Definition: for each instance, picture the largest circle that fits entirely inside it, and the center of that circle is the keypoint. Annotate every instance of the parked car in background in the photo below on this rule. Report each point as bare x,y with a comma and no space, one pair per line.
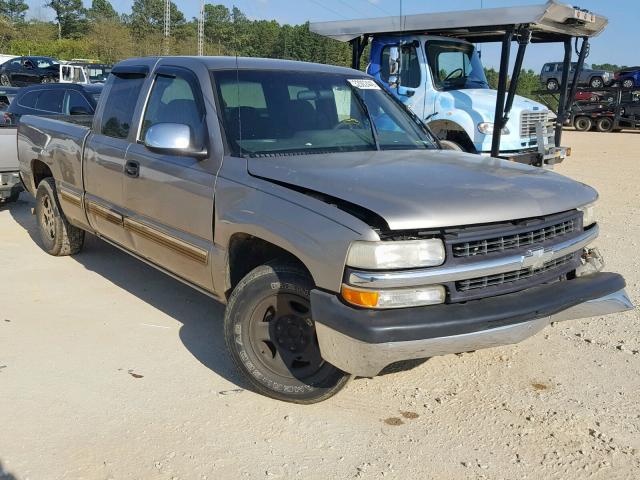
74,72
52,100
628,77
23,71
551,76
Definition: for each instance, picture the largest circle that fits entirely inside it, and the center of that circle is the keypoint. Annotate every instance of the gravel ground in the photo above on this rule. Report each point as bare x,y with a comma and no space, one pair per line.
111,370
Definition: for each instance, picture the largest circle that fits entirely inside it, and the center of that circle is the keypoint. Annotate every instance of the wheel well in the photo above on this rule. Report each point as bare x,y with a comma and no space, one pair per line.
247,252
40,171
448,130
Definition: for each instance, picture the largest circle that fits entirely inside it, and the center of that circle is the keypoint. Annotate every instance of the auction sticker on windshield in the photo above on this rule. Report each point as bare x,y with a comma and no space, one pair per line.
363,83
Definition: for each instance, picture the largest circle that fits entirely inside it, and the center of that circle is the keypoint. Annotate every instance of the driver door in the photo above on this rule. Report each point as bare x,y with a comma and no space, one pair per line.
170,196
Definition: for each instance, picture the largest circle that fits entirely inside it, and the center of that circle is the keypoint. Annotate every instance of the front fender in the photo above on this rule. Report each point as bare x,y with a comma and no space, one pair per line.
319,236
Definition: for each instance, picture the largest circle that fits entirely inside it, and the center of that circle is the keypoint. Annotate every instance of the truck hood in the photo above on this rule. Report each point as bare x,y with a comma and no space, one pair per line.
483,101
428,189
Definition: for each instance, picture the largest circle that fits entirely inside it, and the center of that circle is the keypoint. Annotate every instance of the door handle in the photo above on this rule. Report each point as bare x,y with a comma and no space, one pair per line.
132,169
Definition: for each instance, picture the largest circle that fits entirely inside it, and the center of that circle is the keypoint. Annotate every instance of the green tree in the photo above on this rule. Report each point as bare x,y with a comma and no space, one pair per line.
14,10
147,17
70,17
102,10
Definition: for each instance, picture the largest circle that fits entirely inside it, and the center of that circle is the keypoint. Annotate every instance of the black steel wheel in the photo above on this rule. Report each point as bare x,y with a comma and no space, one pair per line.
582,124
272,338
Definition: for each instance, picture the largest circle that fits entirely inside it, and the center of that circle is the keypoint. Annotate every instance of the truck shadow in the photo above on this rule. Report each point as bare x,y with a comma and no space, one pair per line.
201,316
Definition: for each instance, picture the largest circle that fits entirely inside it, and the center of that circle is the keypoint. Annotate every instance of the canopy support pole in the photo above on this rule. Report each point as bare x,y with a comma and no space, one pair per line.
502,88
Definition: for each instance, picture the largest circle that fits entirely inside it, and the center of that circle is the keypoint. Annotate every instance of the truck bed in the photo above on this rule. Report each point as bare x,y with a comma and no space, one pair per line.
56,142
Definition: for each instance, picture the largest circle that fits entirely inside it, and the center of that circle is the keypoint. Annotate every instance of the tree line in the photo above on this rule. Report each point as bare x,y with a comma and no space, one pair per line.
103,34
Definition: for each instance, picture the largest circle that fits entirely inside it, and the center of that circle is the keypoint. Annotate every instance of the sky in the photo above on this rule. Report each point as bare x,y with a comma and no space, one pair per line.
615,45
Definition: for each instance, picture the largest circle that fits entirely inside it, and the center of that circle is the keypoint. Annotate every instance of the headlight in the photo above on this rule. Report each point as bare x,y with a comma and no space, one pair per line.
588,214
392,255
487,128
394,298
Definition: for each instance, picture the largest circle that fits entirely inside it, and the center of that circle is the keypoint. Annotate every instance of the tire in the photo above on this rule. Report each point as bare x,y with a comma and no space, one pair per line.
604,124
582,124
269,301
449,145
552,84
4,80
596,82
58,236
45,80
628,83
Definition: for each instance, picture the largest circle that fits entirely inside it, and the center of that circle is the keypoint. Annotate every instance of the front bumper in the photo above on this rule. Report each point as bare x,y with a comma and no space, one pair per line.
10,185
363,342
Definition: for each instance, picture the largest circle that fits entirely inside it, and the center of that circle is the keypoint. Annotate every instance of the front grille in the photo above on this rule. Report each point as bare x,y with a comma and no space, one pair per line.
528,121
514,241
511,277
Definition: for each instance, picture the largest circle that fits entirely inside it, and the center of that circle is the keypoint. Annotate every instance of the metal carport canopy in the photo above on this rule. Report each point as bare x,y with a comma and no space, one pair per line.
550,22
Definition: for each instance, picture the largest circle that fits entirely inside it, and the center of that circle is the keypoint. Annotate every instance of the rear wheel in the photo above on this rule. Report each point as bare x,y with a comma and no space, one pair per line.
4,80
604,124
596,82
552,84
582,124
45,80
628,83
58,236
272,338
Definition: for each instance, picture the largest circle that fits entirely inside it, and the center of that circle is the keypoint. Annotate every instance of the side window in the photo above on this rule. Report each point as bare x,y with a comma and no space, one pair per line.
76,102
121,102
50,101
548,68
28,100
16,63
175,100
410,71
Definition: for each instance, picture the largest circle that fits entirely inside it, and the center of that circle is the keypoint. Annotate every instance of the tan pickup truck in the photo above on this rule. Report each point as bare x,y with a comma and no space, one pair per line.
321,211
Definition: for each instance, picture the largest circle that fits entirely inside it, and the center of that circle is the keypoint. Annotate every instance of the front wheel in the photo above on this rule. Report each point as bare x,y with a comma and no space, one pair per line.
272,338
4,80
596,82
628,83
552,84
450,145
58,236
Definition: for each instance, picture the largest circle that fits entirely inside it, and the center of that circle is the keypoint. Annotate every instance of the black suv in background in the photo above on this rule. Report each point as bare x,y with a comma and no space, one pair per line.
53,99
23,71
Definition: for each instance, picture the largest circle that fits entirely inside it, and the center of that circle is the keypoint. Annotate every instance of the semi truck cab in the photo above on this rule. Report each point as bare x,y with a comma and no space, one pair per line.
442,80
429,61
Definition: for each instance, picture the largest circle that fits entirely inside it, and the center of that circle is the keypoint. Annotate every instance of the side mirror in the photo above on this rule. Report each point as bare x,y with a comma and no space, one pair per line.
395,64
172,139
79,111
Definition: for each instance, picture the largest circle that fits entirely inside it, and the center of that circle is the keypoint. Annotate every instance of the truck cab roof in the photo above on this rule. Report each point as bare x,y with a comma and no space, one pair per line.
225,63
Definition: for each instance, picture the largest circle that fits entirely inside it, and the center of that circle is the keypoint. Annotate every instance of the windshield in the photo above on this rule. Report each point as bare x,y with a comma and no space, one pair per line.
279,112
98,73
455,65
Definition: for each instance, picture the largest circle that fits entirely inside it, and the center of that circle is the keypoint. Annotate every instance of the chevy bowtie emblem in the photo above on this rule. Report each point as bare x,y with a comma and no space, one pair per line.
535,259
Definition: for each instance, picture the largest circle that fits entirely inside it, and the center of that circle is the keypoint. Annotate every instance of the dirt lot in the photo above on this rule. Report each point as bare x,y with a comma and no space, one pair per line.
111,370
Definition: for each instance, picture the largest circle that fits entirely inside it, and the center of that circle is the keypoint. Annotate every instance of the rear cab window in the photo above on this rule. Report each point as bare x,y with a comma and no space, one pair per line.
122,92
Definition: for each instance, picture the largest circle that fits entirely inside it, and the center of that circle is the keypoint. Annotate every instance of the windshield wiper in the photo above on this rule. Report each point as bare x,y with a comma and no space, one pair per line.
362,103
